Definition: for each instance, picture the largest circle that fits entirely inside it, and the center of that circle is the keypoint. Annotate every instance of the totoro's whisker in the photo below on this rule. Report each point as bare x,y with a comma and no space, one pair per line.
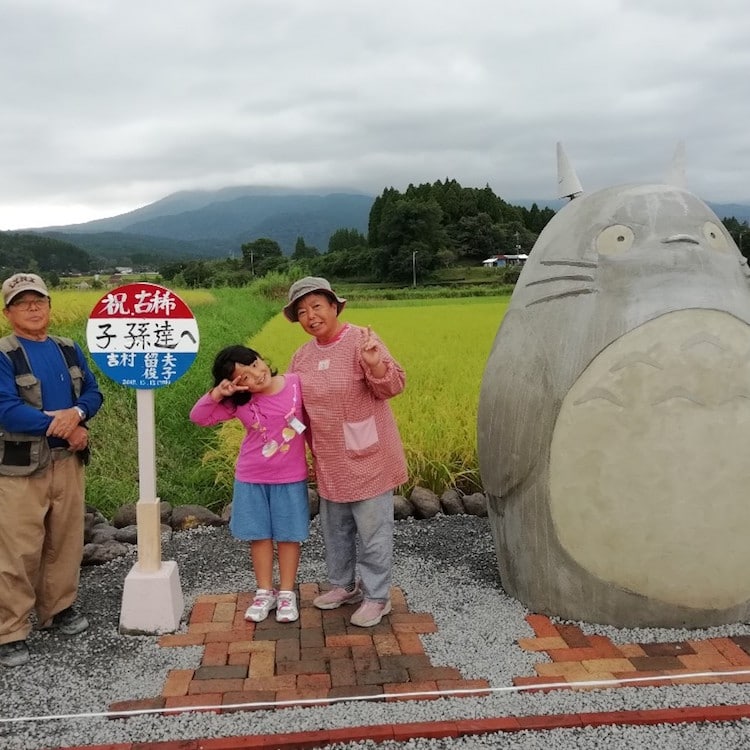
741,395
569,277
677,392
598,393
635,358
704,338
562,295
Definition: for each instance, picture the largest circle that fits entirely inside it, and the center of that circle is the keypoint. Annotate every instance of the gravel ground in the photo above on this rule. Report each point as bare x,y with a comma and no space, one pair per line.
446,566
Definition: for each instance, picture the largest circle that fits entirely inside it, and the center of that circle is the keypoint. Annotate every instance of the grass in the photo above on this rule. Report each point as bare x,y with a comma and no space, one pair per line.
442,343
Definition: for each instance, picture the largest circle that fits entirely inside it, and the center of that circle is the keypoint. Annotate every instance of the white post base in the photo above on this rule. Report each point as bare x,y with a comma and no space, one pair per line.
152,603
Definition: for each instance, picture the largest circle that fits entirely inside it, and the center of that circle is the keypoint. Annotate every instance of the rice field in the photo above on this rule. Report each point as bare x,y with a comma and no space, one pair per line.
443,348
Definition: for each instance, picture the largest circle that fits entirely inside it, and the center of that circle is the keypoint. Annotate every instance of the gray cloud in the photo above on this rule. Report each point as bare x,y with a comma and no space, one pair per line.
110,105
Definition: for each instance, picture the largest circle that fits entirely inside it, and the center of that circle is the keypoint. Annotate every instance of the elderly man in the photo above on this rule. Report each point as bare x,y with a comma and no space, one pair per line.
47,395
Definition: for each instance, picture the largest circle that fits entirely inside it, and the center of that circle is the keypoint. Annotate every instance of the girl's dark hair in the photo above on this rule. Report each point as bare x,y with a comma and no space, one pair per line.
224,364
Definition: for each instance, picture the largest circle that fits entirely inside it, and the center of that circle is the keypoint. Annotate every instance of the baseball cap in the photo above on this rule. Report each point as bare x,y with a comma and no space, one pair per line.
23,282
308,285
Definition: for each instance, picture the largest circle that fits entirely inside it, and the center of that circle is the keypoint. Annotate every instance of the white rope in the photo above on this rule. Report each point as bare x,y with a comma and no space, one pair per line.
327,701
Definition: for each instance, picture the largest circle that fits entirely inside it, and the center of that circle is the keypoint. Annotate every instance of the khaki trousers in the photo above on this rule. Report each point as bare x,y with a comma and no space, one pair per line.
41,544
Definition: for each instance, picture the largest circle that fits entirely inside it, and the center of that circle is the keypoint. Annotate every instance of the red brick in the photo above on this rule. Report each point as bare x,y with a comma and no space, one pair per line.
198,687
468,727
230,636
673,648
202,612
539,684
405,688
434,673
342,672
239,658
377,733
731,651
275,682
354,691
421,626
181,639
465,688
309,666
604,647
314,682
386,645
248,742
306,697
410,643
542,626
122,709
398,600
572,654
169,745
426,729
177,682
573,636
308,592
192,702
245,699
215,655
550,721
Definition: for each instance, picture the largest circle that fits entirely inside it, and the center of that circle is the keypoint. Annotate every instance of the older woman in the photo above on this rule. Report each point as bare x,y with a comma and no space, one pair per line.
347,377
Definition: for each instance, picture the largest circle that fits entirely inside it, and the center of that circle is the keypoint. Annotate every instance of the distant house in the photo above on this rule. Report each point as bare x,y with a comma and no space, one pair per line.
500,261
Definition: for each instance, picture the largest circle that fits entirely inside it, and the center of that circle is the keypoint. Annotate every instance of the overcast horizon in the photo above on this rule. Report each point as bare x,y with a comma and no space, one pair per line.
108,107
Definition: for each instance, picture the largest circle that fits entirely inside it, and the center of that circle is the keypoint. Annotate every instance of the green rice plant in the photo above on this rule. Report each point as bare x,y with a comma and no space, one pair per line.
443,348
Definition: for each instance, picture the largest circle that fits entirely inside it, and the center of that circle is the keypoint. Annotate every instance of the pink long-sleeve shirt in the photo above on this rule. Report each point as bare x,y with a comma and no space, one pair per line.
355,441
266,422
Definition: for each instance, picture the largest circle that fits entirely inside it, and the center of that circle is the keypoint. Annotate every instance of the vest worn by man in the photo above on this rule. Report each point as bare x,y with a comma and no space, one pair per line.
22,454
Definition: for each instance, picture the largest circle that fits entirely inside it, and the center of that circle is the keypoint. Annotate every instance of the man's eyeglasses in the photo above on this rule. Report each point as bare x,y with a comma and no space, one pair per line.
28,304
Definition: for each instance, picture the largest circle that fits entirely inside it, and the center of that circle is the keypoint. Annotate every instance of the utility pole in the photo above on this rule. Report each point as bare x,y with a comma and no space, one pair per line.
414,269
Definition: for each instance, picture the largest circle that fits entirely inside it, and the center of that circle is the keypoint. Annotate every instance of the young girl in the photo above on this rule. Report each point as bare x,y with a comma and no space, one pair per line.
270,485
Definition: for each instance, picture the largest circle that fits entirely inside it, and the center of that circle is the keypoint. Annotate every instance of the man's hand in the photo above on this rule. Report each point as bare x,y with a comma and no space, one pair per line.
64,421
78,439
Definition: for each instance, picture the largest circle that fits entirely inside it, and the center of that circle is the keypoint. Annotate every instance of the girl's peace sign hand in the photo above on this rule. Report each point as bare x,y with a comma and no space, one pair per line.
228,387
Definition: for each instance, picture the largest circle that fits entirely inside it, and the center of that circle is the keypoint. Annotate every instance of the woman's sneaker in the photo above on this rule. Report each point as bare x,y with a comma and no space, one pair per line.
264,601
370,613
338,596
286,607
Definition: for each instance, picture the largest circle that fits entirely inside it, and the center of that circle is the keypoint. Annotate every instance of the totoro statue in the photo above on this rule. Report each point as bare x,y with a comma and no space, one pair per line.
614,415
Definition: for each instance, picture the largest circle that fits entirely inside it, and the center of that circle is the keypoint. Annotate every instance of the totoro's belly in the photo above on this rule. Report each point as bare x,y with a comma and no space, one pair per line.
649,468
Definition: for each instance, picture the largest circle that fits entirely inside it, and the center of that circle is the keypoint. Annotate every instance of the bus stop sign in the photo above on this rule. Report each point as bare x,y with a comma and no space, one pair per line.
142,336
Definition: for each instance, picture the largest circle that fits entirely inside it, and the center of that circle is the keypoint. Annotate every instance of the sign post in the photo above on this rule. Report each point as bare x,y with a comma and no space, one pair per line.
144,336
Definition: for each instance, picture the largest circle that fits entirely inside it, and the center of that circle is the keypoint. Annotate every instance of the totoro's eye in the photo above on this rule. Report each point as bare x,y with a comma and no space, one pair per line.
714,236
615,240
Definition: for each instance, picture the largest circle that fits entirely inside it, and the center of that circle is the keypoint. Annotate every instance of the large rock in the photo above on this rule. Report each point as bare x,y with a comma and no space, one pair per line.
450,502
191,516
402,508
476,504
425,502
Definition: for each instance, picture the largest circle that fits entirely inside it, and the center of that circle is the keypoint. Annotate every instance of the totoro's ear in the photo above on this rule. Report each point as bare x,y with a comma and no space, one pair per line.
676,173
568,185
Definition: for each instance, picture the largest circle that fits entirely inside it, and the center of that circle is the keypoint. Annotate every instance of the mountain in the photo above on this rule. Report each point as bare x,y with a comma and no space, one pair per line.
217,223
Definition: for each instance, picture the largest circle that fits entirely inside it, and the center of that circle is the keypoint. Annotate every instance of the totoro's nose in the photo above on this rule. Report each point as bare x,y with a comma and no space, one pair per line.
681,238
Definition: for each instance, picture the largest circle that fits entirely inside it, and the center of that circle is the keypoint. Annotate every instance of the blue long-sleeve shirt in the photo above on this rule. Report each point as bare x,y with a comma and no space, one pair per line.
49,367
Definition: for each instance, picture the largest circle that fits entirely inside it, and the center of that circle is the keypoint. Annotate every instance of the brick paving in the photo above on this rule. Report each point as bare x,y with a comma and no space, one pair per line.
319,657
323,657
575,657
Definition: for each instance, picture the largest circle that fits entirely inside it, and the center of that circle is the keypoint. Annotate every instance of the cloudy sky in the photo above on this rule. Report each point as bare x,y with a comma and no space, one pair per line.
107,105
